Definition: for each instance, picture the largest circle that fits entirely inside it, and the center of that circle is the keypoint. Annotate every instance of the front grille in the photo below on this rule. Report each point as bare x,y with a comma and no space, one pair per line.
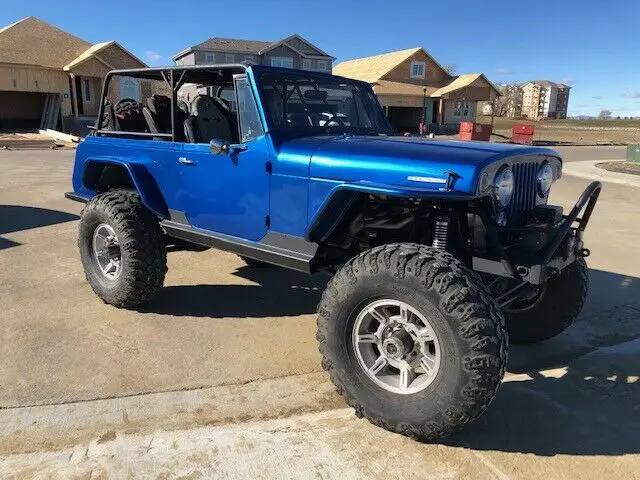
524,191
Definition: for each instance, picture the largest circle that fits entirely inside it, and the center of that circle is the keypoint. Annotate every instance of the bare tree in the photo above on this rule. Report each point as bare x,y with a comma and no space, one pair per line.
451,68
604,115
509,103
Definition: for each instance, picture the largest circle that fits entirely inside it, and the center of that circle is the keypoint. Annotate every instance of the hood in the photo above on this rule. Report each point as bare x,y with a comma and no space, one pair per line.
399,160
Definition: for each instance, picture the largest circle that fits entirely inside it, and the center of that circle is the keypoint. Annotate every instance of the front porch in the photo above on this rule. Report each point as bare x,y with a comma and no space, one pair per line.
441,110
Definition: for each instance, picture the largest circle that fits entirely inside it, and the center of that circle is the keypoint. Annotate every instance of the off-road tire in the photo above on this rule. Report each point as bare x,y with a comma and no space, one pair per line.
470,328
561,302
143,253
252,262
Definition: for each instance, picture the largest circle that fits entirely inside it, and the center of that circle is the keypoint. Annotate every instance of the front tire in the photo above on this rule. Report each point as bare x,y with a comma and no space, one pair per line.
399,291
122,249
554,310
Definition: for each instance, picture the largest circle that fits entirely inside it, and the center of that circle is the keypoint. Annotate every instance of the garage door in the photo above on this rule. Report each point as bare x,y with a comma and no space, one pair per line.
21,110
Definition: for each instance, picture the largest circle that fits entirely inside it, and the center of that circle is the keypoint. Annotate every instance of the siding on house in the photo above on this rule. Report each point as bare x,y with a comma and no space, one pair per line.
255,52
434,74
282,51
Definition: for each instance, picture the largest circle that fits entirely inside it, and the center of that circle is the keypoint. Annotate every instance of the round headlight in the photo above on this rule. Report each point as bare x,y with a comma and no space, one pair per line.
503,186
545,179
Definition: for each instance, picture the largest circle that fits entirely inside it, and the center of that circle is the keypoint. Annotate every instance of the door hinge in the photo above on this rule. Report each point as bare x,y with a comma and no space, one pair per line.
268,167
267,221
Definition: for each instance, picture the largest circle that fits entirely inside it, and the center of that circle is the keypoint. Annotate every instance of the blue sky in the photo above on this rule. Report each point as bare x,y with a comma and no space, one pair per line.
593,45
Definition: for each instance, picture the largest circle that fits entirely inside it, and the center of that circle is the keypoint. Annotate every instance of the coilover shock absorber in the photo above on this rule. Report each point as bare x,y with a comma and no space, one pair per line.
441,229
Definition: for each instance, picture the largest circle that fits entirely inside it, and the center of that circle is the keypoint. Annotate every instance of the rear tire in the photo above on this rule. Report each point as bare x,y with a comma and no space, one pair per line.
468,328
560,302
122,249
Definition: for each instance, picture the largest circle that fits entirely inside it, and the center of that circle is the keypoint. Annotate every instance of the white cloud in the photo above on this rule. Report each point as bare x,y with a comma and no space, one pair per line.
504,71
152,56
632,94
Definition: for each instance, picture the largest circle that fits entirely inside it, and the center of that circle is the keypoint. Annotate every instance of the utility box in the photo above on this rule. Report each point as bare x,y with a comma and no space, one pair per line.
475,131
633,152
522,133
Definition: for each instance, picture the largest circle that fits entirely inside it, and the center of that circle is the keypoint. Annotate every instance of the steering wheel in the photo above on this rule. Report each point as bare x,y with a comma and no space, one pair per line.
334,118
125,104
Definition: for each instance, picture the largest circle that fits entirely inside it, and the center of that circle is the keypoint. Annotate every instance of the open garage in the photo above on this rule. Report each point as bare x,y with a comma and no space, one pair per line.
21,110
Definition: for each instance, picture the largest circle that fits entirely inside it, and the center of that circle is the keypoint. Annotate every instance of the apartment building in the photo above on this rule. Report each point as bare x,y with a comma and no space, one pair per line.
545,99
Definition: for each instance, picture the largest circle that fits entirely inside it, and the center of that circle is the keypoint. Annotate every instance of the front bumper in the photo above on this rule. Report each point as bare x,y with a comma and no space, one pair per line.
563,245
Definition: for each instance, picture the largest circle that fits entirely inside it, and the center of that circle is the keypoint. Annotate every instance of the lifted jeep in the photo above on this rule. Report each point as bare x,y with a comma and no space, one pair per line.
437,248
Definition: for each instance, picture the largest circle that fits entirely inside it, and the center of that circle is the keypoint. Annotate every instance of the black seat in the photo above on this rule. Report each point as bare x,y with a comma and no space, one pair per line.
157,113
207,121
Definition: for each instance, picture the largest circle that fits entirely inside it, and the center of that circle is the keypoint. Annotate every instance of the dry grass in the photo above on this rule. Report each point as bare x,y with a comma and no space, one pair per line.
571,132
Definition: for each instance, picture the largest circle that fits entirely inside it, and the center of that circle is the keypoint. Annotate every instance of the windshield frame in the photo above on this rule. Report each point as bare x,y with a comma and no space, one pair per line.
384,127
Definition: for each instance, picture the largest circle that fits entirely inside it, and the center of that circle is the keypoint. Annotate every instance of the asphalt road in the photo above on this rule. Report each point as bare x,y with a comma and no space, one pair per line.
220,323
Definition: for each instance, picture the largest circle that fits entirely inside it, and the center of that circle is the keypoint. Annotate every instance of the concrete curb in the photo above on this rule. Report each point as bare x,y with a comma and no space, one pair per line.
49,427
589,171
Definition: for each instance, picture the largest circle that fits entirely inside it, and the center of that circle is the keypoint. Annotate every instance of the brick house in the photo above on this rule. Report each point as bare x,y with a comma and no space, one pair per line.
290,52
45,71
411,85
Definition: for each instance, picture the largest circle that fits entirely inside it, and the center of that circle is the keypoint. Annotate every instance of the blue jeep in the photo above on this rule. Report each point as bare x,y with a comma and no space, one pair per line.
437,248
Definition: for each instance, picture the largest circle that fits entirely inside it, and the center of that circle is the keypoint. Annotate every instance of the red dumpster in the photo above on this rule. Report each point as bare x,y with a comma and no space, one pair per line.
522,133
475,131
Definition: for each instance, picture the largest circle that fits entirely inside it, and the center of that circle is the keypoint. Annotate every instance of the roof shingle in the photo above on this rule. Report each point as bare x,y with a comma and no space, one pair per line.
371,69
232,45
33,42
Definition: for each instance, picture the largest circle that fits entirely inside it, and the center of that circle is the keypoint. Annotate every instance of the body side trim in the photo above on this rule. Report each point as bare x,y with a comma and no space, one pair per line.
275,248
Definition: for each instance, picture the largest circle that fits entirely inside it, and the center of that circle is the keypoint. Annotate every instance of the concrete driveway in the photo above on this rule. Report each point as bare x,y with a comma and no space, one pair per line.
227,344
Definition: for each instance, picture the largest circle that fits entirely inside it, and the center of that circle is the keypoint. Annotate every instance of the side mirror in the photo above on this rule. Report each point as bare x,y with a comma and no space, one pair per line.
221,147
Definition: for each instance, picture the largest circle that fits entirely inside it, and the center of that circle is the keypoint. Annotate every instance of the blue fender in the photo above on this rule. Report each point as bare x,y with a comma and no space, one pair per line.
331,209
142,180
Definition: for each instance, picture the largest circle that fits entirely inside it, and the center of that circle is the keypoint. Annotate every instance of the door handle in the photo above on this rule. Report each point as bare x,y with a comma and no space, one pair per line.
187,161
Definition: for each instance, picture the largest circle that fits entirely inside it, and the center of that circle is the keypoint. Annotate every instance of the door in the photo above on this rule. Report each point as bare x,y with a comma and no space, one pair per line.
229,192
79,101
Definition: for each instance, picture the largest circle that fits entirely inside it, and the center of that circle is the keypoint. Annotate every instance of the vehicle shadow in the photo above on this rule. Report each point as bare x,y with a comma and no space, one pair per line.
587,401
15,218
611,315
279,292
591,409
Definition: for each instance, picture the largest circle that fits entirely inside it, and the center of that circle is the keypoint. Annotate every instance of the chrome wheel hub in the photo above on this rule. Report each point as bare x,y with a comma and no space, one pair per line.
396,346
106,251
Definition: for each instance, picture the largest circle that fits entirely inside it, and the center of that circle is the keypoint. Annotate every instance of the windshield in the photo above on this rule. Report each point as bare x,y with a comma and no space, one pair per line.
314,104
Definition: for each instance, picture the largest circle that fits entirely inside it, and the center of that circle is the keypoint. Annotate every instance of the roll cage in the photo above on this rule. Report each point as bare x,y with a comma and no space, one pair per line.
174,78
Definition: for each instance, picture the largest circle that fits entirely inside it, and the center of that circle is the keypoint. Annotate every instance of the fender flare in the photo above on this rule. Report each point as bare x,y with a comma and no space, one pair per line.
143,182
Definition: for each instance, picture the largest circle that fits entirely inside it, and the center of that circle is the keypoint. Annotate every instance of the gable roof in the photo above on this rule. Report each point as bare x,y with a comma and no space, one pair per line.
371,69
255,47
463,81
31,41
295,36
94,50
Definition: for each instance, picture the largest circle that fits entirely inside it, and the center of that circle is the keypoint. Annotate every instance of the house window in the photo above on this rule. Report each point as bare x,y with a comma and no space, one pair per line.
322,65
87,90
129,88
417,69
249,59
211,58
285,62
307,64
229,58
